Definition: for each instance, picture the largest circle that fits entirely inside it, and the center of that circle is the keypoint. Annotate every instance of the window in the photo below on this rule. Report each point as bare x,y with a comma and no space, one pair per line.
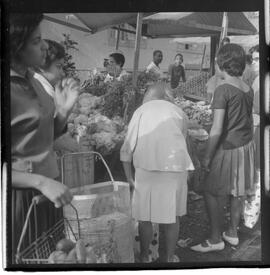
126,39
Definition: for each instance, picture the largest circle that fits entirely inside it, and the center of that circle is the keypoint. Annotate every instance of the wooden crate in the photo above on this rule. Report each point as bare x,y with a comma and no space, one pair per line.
78,169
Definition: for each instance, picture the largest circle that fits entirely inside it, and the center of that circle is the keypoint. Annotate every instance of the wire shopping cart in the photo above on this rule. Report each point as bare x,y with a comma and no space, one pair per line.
39,251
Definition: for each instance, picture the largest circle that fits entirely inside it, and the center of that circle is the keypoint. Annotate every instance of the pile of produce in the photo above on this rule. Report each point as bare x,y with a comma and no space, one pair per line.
87,123
69,252
199,111
101,115
103,110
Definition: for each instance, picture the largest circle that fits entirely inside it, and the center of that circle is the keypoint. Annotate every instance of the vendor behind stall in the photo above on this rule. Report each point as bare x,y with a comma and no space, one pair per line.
176,71
115,67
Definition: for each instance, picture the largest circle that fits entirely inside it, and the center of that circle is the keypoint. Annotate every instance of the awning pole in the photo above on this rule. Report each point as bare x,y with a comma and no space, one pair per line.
224,29
118,38
204,49
213,48
137,49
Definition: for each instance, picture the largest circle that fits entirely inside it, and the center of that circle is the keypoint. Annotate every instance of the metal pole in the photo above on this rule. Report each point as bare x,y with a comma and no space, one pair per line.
204,49
118,38
224,29
137,49
214,40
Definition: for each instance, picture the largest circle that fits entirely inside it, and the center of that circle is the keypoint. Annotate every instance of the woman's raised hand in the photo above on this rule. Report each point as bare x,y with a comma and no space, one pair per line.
55,191
66,94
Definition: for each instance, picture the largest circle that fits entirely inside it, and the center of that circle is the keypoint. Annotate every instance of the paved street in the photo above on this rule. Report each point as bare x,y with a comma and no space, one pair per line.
195,226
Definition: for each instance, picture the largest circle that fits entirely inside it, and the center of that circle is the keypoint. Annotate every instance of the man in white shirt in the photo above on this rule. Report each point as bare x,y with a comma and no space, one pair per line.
154,65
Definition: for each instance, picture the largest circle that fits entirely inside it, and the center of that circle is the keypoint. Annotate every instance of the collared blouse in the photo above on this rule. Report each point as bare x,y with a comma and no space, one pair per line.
155,140
32,126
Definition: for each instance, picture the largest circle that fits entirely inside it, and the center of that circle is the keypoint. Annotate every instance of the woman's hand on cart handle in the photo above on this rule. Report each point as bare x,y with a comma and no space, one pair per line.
55,191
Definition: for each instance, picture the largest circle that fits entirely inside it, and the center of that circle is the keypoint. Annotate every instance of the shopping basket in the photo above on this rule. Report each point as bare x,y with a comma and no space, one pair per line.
97,205
39,251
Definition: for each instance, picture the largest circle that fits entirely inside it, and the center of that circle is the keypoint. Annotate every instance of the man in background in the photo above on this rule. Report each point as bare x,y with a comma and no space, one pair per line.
154,65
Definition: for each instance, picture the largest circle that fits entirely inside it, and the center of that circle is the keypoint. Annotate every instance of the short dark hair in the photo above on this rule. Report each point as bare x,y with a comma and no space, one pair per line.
225,39
55,51
248,59
22,25
157,51
231,58
254,49
179,54
119,58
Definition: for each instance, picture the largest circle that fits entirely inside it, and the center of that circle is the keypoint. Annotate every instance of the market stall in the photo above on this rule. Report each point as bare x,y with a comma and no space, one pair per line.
97,226
102,113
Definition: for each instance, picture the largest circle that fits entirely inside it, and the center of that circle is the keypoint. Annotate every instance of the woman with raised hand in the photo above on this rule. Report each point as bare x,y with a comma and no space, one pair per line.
34,125
49,75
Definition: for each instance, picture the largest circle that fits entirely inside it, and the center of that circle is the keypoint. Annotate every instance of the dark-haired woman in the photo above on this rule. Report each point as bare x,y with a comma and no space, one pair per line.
51,72
34,125
115,67
176,71
229,158
48,76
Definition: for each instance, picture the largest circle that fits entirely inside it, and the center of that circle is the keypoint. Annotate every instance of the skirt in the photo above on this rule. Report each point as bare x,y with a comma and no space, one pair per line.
257,146
232,172
159,196
46,217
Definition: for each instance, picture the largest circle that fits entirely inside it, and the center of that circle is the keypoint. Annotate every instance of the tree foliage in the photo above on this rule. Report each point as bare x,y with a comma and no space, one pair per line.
69,64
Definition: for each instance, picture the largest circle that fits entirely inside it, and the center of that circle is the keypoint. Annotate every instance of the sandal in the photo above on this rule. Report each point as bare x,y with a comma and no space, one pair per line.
210,247
234,241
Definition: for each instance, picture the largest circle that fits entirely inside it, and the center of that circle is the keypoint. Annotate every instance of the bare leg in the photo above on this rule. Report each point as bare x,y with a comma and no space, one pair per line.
214,206
236,209
171,237
145,234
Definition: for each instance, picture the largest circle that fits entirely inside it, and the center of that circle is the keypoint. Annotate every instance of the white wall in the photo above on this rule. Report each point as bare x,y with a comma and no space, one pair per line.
93,48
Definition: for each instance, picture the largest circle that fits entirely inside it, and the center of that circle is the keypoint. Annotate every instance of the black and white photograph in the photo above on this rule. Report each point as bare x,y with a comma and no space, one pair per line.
135,139
267,160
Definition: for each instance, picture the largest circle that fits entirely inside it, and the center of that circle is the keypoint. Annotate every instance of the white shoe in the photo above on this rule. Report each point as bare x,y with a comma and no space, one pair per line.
210,247
174,259
231,240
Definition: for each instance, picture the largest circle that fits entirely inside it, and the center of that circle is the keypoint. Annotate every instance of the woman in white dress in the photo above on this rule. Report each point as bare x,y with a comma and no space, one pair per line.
156,145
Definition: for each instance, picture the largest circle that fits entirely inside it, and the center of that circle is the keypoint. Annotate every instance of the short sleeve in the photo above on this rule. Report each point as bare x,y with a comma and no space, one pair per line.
183,74
149,68
220,98
128,147
170,69
256,101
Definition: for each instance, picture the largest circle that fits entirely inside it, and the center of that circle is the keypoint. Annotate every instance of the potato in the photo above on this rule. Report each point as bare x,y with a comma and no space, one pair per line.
51,259
57,257
65,245
81,251
72,256
91,257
